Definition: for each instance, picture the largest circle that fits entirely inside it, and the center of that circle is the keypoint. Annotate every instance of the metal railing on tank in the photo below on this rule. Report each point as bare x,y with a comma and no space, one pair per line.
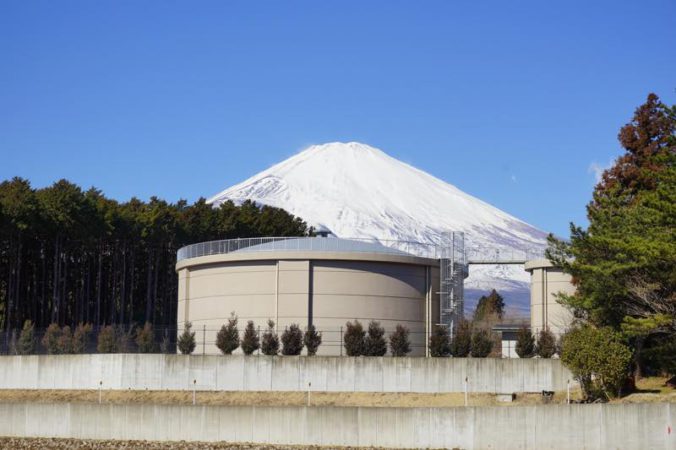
273,244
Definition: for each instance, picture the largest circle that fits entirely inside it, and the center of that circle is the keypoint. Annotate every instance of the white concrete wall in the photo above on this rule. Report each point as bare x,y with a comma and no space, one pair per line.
627,426
281,373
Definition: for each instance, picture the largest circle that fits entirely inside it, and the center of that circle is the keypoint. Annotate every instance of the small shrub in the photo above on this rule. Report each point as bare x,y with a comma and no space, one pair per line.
440,342
227,339
50,340
165,345
598,359
186,341
399,342
124,339
26,344
482,344
107,341
13,344
312,340
270,344
65,342
374,343
546,345
525,343
353,339
461,344
145,339
80,337
250,340
292,340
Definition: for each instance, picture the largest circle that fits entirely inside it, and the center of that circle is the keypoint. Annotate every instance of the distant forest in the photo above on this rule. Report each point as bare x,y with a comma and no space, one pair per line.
69,256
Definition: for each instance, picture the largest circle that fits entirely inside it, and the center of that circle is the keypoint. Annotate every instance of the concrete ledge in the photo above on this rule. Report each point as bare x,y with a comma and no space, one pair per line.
626,426
281,373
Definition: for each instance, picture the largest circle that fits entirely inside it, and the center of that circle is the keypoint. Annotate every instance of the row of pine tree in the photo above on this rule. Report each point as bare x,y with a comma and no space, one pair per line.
70,256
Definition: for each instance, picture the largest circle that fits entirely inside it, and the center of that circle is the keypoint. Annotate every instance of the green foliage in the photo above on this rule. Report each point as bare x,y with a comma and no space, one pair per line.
312,340
107,340
489,307
61,238
65,342
525,343
598,359
546,345
250,339
482,344
292,340
461,344
400,345
145,339
80,337
227,339
624,263
186,341
270,344
50,340
26,344
353,338
374,342
440,342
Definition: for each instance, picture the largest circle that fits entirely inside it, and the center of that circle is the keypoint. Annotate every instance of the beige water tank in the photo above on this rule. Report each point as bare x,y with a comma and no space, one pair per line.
321,281
546,281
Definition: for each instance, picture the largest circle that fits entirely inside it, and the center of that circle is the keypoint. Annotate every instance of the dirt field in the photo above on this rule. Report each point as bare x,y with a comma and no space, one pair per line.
338,399
79,444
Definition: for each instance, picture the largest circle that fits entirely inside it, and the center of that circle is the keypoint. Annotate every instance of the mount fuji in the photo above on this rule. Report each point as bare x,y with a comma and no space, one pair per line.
355,190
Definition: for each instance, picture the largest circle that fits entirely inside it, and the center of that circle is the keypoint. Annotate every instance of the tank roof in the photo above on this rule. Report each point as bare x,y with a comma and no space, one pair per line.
323,244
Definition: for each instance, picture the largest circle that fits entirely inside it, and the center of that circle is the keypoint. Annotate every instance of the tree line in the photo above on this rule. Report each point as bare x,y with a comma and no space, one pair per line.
71,256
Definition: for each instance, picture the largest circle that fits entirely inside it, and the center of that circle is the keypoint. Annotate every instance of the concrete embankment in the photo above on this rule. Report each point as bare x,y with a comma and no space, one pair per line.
635,426
282,373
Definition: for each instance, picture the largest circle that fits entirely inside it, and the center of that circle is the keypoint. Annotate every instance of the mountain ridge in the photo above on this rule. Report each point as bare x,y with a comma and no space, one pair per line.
355,190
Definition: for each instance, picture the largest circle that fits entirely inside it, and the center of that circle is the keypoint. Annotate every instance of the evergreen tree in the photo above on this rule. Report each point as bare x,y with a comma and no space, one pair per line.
107,340
80,337
400,345
145,339
461,343
227,339
482,344
353,339
624,263
546,345
292,340
186,341
65,342
250,340
26,344
489,307
50,340
270,344
312,340
525,343
374,342
440,341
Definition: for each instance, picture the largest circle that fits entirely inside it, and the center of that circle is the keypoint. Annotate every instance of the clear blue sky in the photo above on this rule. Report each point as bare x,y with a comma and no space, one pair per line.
513,102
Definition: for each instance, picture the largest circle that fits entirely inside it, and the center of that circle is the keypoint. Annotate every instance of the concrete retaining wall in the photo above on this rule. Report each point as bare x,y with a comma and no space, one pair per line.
289,373
628,426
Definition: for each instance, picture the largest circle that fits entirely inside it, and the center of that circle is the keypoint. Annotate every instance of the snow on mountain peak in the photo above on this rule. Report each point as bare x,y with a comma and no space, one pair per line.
356,190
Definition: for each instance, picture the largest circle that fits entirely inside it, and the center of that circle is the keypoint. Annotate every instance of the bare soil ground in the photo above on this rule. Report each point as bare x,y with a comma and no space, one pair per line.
650,390
227,398
89,444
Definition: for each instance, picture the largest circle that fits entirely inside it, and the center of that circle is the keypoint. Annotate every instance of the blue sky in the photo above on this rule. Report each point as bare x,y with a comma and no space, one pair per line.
513,102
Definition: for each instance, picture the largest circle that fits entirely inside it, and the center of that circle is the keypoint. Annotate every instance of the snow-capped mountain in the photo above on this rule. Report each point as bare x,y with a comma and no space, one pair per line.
355,190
